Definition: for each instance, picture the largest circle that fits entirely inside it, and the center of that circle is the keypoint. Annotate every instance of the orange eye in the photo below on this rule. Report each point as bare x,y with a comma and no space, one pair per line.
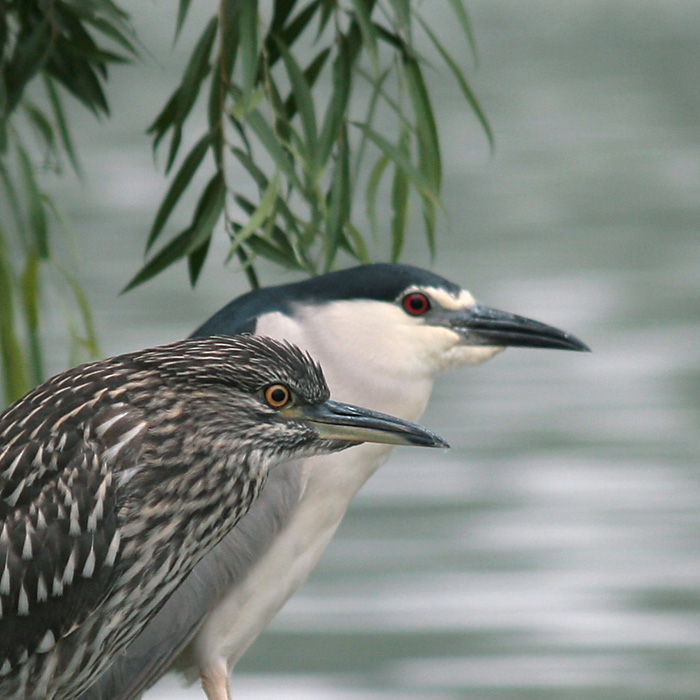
277,395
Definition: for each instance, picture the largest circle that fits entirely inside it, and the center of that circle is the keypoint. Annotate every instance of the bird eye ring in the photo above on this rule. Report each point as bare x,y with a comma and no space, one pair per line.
277,395
416,304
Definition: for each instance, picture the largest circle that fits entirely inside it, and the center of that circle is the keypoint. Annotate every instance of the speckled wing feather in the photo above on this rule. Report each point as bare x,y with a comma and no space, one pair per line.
168,633
59,535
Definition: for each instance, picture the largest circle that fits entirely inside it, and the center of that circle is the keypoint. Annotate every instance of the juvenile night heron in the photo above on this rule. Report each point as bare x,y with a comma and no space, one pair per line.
382,334
117,476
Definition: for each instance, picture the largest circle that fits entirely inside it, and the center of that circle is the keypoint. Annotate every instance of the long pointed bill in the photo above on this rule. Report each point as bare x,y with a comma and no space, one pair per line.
341,421
481,325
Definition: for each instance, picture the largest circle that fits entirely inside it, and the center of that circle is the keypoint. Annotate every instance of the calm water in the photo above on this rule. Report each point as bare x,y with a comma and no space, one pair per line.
554,552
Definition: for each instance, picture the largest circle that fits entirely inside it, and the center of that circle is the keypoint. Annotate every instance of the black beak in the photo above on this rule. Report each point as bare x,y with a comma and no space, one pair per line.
481,325
343,421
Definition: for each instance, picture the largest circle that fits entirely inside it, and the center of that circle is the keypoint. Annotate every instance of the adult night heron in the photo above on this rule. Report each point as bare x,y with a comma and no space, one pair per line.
117,476
382,333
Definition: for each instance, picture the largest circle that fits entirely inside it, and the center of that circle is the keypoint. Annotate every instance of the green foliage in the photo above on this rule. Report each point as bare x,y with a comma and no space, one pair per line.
308,103
46,48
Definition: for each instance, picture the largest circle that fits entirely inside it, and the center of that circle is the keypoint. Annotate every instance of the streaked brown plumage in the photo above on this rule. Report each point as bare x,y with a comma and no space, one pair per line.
116,477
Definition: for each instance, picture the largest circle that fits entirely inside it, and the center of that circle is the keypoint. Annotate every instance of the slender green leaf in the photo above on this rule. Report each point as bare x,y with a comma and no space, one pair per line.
402,14
14,371
417,179
14,201
337,105
207,213
373,182
4,114
264,249
461,13
165,119
248,269
257,218
197,69
304,103
340,197
42,125
249,43
429,216
399,203
247,103
262,182
429,160
290,33
30,304
29,57
89,340
183,8
121,35
229,16
78,77
363,11
38,226
62,124
195,261
369,119
281,11
254,171
272,145
462,82
311,73
356,244
180,182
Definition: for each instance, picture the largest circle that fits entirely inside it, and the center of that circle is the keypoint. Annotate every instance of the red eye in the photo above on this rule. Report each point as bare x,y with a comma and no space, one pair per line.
416,303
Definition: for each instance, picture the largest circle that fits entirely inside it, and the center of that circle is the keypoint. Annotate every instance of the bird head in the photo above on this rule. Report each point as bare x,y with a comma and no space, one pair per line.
384,331
270,399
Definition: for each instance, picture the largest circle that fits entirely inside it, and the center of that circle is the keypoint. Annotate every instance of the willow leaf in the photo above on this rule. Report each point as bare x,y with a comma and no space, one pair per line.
304,103
249,43
38,225
165,119
14,370
42,125
429,162
183,8
339,199
30,305
399,203
363,11
462,82
259,216
311,73
373,181
416,178
288,35
263,248
197,69
429,217
180,182
357,244
207,213
461,13
337,105
195,261
271,143
89,340
62,124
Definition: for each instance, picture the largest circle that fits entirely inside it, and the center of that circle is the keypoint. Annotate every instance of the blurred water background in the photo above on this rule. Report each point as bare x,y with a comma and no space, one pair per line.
554,552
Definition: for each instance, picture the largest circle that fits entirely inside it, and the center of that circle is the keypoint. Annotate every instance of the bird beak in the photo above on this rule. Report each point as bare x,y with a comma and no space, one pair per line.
341,421
481,325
